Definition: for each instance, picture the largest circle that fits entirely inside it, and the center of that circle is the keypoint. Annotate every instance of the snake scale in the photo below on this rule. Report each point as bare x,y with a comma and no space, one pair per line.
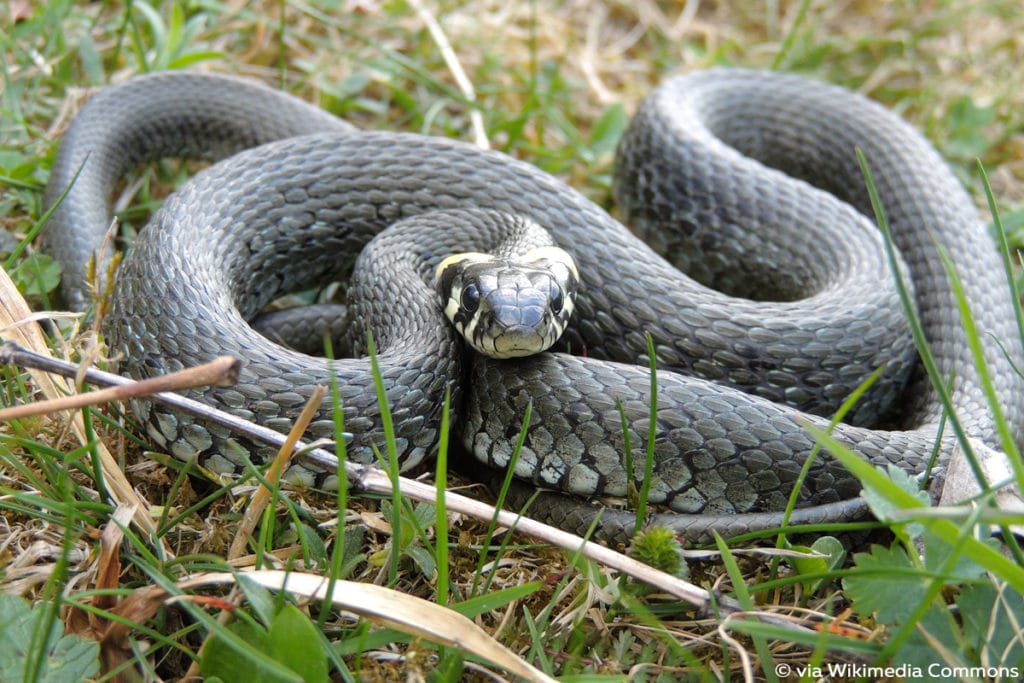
746,180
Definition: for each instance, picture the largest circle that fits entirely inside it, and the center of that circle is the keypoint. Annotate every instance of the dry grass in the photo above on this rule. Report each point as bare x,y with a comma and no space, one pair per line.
542,73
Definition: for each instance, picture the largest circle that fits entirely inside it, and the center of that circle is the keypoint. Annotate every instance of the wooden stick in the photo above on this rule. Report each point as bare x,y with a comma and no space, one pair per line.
222,371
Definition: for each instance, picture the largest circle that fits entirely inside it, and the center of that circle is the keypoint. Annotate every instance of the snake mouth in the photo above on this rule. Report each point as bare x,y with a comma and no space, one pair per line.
511,332
516,342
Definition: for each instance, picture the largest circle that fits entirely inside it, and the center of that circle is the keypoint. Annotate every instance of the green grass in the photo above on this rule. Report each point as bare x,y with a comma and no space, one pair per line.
553,85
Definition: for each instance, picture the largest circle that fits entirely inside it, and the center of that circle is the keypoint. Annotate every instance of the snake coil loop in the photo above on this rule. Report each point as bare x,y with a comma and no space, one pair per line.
747,180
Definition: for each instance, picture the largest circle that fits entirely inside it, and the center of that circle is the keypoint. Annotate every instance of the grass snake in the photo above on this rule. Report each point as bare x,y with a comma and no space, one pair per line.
746,180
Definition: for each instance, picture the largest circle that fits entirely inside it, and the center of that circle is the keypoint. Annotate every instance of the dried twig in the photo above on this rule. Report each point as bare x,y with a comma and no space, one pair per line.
222,371
14,354
261,498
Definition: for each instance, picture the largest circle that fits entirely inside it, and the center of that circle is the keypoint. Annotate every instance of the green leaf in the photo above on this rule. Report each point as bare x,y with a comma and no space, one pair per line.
832,554
314,544
882,506
262,601
494,600
17,167
424,514
194,57
295,642
364,642
241,651
423,559
885,582
68,657
223,661
966,123
37,274
919,650
451,667
175,30
92,64
608,130
353,536
991,623
349,86
158,29
937,551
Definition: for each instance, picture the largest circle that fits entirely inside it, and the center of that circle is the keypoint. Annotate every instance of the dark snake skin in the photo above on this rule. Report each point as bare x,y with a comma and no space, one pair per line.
746,179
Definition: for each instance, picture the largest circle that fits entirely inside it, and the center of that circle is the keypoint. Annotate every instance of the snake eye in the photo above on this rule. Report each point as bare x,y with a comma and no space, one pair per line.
470,299
557,300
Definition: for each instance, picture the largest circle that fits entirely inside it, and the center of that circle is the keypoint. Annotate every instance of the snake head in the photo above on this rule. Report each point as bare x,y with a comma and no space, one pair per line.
507,308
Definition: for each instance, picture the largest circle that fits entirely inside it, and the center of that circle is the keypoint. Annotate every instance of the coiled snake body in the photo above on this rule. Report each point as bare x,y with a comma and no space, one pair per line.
746,179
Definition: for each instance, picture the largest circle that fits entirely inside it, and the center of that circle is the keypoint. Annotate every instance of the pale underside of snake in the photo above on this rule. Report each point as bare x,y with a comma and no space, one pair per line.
746,180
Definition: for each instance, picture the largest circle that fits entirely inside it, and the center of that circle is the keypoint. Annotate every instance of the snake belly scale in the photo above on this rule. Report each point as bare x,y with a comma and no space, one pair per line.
748,180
